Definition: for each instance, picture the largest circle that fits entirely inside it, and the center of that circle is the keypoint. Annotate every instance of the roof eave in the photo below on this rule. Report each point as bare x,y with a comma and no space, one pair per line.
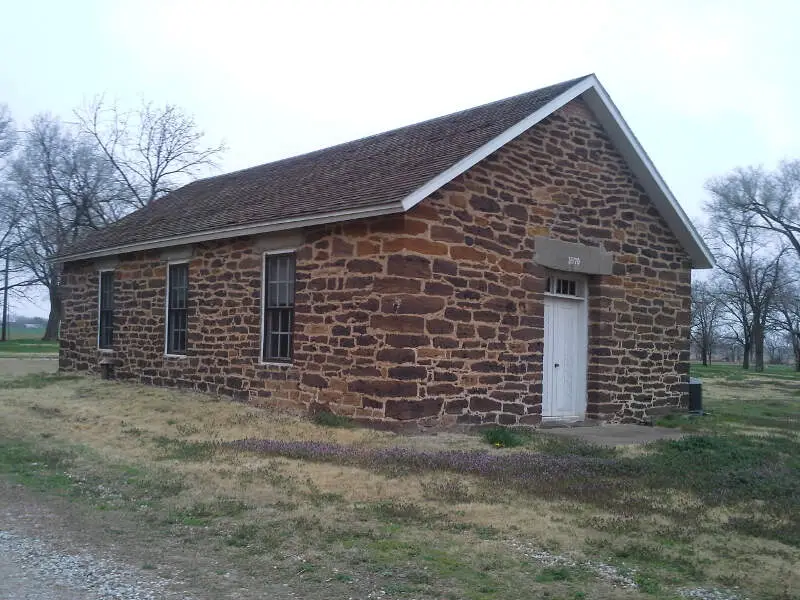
593,93
238,231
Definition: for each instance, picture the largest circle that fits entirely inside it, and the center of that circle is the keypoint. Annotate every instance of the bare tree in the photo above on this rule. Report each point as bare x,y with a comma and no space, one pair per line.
14,280
8,135
707,307
11,214
736,321
10,209
786,318
750,262
773,197
67,188
152,149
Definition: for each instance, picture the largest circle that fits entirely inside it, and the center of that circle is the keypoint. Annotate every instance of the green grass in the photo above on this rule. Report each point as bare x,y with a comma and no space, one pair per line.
17,332
736,373
28,346
42,469
502,437
328,419
550,574
203,513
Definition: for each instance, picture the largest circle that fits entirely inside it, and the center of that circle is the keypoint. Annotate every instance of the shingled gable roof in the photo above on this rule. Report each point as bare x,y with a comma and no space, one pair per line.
383,174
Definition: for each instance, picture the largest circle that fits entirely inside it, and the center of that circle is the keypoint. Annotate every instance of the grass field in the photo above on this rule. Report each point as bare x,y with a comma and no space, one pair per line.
338,511
733,372
27,342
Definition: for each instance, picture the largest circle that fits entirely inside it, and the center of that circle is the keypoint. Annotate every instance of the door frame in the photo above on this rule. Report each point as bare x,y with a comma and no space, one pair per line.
581,295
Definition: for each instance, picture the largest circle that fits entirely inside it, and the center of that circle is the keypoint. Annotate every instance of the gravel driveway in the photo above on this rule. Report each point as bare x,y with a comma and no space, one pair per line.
43,558
30,570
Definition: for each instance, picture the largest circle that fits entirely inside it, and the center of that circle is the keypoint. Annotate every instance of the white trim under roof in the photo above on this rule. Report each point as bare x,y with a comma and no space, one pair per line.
240,230
596,98
495,144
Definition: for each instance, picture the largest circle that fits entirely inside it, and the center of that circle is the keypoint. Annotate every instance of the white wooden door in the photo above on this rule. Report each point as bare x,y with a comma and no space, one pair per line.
564,363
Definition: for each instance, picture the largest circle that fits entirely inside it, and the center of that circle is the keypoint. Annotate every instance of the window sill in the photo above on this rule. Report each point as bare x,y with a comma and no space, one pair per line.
564,296
106,350
176,356
276,363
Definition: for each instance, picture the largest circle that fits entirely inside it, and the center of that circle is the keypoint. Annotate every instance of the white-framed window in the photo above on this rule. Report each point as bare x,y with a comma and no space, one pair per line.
559,285
177,324
105,311
277,319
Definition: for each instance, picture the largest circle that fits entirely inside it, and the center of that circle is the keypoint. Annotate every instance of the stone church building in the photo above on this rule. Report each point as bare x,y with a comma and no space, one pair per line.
516,262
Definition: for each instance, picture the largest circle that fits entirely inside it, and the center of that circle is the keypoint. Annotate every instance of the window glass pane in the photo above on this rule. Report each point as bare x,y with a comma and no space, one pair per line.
283,294
177,315
105,322
278,302
274,351
273,269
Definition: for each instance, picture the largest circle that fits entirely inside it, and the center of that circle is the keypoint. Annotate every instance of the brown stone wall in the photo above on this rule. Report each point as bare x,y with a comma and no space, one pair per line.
436,314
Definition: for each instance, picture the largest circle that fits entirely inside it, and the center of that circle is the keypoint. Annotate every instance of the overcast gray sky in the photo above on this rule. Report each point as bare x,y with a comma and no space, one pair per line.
706,86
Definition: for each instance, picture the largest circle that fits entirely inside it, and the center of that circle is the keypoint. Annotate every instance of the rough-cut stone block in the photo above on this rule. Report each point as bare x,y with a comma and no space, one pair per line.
404,410
445,267
396,355
482,404
466,253
408,373
403,323
415,244
384,388
439,326
444,389
314,380
407,340
396,285
364,266
457,314
404,265
411,305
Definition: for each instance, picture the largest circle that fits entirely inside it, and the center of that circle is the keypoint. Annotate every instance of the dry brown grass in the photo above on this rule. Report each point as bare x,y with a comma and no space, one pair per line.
305,502
12,365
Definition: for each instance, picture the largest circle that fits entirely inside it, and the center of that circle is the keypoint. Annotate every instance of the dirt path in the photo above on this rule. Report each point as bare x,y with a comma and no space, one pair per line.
54,549
46,552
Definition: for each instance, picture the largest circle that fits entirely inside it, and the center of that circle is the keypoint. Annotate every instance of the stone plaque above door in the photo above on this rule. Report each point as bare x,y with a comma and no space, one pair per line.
568,256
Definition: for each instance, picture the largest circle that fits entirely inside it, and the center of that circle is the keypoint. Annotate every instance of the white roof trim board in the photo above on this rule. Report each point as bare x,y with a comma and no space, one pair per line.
588,88
596,97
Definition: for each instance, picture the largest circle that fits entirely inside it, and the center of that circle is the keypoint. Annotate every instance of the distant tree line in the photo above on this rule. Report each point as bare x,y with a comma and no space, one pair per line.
748,310
60,179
